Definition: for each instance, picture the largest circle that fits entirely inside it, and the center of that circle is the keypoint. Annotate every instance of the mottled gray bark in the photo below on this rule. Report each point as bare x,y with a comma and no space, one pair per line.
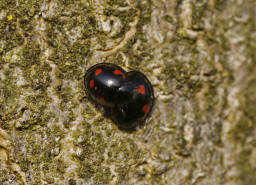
199,56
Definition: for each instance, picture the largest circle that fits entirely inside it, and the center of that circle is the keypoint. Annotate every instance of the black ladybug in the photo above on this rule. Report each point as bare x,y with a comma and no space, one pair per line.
102,82
127,96
141,103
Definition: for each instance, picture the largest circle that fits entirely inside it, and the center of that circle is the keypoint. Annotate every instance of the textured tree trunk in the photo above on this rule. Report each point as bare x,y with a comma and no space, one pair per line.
199,56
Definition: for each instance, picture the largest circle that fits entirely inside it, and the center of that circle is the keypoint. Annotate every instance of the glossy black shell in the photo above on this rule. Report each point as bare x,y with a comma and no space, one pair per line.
128,97
139,106
102,84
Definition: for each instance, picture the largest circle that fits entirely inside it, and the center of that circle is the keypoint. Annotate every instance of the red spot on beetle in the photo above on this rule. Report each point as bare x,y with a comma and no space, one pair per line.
91,83
145,108
140,89
118,72
102,100
97,72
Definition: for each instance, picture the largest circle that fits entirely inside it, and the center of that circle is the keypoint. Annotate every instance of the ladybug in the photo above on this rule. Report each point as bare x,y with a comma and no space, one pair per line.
128,97
102,82
137,109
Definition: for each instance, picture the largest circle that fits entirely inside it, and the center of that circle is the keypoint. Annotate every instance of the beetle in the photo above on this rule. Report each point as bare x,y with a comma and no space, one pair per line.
137,109
127,96
102,82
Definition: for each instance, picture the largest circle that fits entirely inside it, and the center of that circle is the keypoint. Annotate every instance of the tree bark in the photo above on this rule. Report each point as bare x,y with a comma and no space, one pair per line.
198,54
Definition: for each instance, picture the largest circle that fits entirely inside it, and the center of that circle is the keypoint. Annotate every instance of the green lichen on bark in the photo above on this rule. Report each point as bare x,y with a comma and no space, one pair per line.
199,56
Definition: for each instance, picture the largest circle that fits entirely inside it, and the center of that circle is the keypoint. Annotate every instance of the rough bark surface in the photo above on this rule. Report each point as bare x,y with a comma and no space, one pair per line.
199,56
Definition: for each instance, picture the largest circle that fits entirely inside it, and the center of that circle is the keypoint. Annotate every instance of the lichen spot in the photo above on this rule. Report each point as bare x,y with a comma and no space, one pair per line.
140,89
97,72
9,17
118,72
